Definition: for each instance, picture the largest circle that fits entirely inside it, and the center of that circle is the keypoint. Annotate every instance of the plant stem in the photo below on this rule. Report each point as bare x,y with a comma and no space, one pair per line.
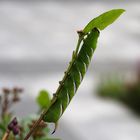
5,105
34,127
54,98
6,135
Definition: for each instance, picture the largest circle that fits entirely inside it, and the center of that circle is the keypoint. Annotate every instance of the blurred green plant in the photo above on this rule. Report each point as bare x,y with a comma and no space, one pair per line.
43,99
8,97
111,88
19,129
127,93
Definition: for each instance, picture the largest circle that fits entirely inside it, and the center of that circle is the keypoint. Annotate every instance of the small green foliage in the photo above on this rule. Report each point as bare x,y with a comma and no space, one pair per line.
127,93
2,127
43,99
112,88
102,21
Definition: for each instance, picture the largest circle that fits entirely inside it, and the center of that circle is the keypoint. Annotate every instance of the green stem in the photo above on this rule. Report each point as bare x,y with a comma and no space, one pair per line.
75,53
34,127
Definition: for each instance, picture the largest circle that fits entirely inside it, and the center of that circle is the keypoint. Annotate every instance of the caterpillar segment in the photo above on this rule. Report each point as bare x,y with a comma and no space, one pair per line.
72,78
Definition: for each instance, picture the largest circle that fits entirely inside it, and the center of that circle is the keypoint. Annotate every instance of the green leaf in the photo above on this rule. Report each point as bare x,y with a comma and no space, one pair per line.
44,99
102,21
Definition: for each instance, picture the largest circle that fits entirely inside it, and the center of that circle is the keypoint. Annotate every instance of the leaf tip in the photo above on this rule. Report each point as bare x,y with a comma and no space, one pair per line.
120,10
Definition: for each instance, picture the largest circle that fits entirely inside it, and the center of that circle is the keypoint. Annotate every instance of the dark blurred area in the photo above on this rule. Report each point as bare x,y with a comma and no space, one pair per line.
37,38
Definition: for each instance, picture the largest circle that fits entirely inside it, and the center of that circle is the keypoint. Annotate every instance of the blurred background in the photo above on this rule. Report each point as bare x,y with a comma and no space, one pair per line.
36,42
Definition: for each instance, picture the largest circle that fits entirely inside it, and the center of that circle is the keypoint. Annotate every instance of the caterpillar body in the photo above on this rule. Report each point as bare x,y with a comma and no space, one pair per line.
78,66
72,78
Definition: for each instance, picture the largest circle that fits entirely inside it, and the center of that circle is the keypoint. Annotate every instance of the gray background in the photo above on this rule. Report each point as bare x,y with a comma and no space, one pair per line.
36,42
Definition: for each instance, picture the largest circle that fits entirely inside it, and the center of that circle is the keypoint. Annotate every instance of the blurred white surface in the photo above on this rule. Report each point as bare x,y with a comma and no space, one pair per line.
36,42
43,31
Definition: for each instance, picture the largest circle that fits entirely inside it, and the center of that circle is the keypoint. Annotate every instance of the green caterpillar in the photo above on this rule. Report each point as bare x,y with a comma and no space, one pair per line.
79,65
72,78
77,68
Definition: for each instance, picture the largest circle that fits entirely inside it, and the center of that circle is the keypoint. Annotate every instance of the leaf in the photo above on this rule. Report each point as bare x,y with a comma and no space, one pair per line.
44,99
102,21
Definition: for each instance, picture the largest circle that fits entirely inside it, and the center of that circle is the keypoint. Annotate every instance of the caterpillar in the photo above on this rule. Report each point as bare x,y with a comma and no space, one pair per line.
72,78
77,68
